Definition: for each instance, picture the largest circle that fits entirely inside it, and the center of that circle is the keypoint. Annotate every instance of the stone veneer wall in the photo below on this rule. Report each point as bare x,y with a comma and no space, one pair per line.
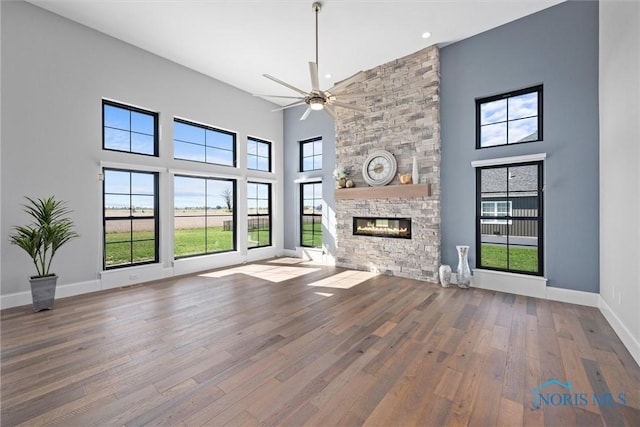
404,120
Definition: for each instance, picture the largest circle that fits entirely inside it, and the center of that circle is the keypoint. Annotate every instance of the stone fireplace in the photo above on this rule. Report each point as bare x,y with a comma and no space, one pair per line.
403,118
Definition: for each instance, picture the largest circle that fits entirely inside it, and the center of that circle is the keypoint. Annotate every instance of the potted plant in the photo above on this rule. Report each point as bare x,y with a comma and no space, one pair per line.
51,228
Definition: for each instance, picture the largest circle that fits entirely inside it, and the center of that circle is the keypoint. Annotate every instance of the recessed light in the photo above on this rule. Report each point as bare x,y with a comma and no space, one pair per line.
426,35
327,76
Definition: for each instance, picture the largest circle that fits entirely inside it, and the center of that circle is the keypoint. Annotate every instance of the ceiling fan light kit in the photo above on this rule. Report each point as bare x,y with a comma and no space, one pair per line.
317,99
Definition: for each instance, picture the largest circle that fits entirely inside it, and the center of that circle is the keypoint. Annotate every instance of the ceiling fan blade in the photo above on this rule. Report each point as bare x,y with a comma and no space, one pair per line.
351,106
306,113
313,71
285,84
330,112
294,104
279,96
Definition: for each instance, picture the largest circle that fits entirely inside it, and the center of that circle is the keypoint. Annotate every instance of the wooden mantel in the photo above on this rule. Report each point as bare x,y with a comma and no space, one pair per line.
384,192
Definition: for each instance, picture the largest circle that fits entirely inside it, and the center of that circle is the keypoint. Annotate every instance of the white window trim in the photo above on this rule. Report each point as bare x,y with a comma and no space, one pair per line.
509,160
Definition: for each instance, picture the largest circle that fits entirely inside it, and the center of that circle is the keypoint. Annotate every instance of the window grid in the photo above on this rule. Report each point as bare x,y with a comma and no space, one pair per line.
311,214
129,129
259,214
509,118
258,154
511,242
130,233
200,143
311,155
206,229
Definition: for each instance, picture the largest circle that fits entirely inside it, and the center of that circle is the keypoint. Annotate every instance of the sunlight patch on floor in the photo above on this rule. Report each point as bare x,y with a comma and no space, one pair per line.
344,280
289,260
271,273
324,294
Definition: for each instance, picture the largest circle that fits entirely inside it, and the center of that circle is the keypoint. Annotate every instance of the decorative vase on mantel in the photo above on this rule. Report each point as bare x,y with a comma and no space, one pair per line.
415,179
464,272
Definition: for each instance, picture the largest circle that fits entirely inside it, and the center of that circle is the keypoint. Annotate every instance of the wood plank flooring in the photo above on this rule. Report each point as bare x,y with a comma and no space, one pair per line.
283,342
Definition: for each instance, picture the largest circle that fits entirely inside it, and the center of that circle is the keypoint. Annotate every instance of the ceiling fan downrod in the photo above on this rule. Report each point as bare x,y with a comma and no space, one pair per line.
316,6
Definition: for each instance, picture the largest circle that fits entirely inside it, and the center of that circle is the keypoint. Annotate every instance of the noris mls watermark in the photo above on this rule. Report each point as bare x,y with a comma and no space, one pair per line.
570,397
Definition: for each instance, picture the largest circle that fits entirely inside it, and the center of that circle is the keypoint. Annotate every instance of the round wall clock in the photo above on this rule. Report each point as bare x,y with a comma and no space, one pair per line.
379,168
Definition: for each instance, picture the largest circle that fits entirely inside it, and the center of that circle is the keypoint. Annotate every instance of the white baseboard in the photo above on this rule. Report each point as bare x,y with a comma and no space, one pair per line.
530,286
627,338
570,296
62,291
519,284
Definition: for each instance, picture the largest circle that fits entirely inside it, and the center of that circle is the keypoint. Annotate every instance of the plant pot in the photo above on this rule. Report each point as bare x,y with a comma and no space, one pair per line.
43,292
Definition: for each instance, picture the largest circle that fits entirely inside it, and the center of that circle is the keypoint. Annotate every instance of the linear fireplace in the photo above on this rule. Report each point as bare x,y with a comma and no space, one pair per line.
396,228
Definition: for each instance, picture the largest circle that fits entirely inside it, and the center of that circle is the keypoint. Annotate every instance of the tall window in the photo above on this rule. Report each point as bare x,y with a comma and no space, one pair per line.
509,218
311,214
204,215
311,155
259,213
258,154
509,118
129,129
130,200
204,144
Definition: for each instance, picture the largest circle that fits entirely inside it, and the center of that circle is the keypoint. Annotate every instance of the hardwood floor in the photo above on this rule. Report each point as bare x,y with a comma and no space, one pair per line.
282,342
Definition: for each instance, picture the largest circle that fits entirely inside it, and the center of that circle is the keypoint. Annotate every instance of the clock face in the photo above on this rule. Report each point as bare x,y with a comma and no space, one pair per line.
379,168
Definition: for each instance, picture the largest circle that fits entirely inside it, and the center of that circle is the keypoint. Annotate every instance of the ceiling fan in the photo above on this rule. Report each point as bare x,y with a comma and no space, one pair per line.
317,99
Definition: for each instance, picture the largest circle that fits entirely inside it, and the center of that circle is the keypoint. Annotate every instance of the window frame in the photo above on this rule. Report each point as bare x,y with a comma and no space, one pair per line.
510,218
131,218
234,151
314,155
480,101
156,137
233,215
302,214
269,156
259,215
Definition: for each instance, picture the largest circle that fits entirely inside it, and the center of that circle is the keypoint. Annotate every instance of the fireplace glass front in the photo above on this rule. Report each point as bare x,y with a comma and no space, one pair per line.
396,228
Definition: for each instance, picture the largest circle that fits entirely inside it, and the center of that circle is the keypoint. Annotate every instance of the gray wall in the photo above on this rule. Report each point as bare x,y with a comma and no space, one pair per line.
317,124
54,75
557,47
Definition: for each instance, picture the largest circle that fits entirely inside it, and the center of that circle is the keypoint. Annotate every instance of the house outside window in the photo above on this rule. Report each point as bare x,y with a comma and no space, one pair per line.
509,218
311,214
500,208
205,144
258,154
259,214
129,129
509,118
311,155
204,215
130,218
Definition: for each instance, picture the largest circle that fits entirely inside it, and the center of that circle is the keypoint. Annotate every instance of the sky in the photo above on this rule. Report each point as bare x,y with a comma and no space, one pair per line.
508,120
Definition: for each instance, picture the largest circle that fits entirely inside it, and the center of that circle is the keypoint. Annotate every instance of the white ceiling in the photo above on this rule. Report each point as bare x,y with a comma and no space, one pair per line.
236,41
